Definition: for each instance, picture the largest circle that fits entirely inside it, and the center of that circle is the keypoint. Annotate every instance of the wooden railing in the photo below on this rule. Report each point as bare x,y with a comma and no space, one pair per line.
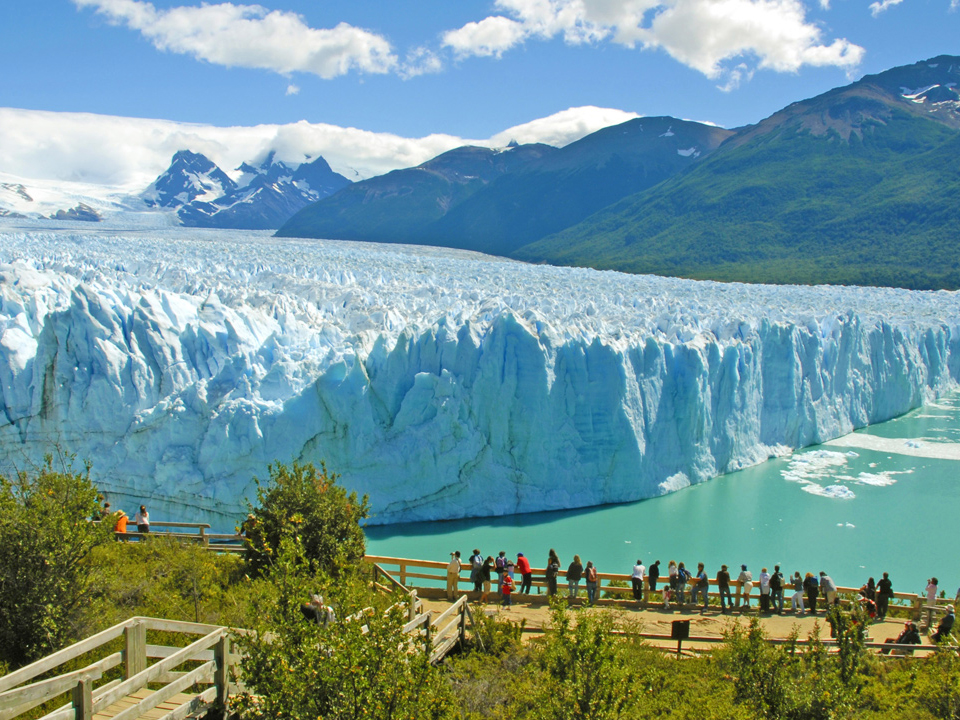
435,572
91,693
194,532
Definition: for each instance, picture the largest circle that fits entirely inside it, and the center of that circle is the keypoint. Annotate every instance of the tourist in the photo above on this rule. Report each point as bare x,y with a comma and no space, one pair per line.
105,512
744,586
506,589
526,574
701,587
671,580
945,626
636,579
142,520
884,593
553,569
796,601
574,573
764,590
318,612
910,635
932,591
500,565
592,582
869,590
828,588
653,575
723,587
776,589
486,573
682,577
120,526
476,565
812,589
453,575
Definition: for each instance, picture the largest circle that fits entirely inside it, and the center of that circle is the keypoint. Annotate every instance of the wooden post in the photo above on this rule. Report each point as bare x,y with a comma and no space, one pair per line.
412,609
463,623
221,675
427,634
135,649
403,573
83,699
204,541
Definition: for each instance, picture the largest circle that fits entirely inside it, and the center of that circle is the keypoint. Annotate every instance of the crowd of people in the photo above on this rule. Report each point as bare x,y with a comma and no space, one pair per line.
121,520
806,592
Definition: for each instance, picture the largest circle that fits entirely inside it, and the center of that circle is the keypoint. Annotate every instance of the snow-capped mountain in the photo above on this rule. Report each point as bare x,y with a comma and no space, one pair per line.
191,176
265,196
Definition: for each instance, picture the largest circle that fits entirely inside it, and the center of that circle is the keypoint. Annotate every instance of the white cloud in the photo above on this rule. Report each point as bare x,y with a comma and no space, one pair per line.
491,36
293,89
703,34
420,61
883,5
253,37
130,152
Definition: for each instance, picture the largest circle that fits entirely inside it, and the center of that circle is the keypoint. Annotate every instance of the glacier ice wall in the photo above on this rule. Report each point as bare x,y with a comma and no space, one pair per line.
443,384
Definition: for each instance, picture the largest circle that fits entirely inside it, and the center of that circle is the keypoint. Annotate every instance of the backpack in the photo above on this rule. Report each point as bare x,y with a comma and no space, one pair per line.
775,583
501,563
592,574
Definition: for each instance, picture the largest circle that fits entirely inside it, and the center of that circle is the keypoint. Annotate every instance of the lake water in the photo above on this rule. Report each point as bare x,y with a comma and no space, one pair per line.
886,498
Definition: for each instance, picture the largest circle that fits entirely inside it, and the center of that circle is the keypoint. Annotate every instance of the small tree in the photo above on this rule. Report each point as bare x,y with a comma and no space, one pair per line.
302,503
361,665
45,537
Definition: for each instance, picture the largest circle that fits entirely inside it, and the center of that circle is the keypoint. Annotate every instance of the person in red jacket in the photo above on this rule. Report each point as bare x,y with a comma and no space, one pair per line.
526,574
506,588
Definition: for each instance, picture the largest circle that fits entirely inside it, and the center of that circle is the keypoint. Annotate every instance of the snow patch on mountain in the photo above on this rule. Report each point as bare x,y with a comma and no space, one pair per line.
444,384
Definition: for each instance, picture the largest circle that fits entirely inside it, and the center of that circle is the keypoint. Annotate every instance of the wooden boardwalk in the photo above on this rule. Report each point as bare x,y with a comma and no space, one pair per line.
167,708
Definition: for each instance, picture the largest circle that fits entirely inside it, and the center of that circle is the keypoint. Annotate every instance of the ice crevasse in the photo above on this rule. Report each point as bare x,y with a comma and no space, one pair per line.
442,384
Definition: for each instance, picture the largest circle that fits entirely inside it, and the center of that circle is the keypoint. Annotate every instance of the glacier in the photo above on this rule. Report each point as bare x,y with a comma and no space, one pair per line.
443,384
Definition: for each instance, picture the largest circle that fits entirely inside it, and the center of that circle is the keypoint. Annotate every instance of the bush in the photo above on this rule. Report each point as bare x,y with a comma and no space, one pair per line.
360,666
45,538
302,503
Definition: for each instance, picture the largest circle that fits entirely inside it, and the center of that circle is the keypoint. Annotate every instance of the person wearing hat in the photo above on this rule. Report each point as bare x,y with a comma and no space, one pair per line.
526,574
120,527
453,575
723,587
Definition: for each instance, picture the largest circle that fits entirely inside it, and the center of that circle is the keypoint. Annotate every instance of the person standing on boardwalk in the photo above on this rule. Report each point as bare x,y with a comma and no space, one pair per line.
636,579
776,590
764,590
796,602
574,573
653,575
932,587
744,587
526,574
681,579
701,586
486,573
592,582
884,593
120,526
812,588
476,564
723,587
500,565
506,589
142,520
553,569
828,588
453,575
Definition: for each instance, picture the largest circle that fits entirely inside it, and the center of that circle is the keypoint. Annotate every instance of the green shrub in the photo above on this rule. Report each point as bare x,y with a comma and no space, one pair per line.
45,538
306,504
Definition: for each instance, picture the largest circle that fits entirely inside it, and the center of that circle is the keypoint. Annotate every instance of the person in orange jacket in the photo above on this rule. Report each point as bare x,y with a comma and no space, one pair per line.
120,527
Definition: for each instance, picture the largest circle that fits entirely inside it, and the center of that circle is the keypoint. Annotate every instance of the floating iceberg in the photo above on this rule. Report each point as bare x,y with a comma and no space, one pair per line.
443,384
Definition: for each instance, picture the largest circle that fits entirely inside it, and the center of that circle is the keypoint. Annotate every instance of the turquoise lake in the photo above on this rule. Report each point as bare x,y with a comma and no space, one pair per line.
886,498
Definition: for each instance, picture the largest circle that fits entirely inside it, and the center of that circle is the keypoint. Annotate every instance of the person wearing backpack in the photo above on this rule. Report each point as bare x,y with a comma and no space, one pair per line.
591,575
553,569
506,589
776,590
500,566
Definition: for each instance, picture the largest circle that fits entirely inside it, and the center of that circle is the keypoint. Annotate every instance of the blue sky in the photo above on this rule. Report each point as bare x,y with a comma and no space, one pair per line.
463,68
